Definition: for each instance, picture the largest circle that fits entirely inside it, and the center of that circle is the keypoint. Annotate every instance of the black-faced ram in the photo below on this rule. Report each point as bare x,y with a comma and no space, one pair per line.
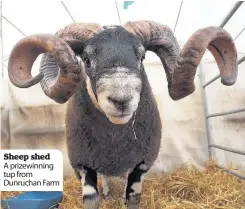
112,123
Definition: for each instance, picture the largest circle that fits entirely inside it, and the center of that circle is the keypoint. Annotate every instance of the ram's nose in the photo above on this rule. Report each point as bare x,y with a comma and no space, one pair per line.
120,103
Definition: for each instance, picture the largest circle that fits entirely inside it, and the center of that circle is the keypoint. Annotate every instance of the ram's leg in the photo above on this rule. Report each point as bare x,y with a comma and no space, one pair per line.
134,186
105,187
90,190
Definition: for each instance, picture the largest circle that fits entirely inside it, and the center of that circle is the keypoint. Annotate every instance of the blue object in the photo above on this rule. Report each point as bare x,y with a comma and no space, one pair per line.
33,200
126,4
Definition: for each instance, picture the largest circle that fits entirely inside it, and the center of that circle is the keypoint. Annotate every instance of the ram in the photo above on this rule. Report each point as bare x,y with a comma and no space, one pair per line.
113,125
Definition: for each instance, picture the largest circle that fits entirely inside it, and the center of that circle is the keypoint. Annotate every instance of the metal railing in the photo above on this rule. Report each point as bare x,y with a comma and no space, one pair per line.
67,10
177,19
211,145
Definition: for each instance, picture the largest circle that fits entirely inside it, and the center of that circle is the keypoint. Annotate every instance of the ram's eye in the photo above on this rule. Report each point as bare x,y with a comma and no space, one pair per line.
87,62
142,58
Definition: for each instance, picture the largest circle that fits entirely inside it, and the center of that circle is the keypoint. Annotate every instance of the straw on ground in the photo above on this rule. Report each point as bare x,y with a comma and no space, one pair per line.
211,188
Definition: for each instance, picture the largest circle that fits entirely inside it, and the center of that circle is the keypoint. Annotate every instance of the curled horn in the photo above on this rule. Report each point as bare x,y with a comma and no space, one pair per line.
59,71
180,65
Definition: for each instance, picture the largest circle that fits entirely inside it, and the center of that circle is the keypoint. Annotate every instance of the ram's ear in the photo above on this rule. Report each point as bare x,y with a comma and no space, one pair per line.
76,45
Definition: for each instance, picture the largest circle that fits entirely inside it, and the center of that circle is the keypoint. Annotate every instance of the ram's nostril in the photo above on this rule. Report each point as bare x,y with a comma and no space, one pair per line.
116,101
111,99
120,103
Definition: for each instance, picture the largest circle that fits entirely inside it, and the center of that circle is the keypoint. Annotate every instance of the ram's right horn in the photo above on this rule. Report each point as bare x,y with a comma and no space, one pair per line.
58,85
59,73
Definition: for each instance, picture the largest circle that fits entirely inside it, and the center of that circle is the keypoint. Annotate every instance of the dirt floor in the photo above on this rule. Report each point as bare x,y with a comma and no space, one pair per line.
211,188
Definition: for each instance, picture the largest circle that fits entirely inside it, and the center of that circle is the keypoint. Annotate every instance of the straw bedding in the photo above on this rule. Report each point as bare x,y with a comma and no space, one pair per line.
186,188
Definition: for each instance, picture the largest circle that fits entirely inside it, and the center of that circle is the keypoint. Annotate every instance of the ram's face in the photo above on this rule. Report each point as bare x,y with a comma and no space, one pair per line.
113,63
